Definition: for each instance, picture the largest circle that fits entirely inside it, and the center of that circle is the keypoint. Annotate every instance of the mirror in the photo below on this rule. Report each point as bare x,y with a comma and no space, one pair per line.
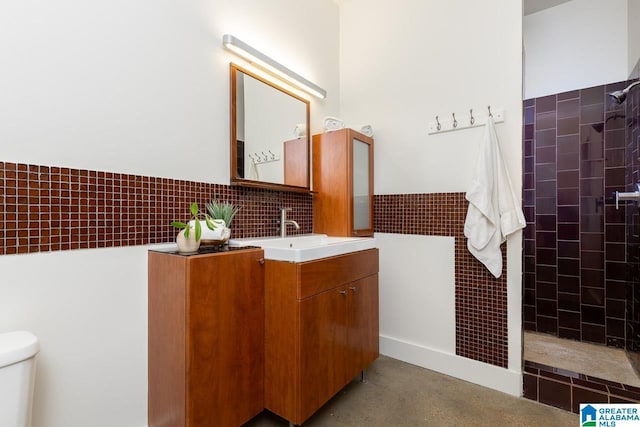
269,140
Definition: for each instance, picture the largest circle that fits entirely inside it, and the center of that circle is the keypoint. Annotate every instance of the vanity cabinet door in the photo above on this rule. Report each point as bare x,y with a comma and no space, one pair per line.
206,338
363,325
362,184
318,336
225,345
323,348
338,339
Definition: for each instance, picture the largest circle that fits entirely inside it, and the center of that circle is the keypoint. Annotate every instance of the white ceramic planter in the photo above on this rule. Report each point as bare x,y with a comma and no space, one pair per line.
187,245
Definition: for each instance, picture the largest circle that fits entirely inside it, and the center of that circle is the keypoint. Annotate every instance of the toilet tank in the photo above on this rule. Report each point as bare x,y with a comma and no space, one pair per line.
17,376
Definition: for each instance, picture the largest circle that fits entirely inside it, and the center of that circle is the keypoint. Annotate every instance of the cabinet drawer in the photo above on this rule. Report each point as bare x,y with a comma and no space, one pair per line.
328,273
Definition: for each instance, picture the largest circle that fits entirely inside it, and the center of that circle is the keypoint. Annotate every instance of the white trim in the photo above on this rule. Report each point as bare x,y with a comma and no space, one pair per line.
504,380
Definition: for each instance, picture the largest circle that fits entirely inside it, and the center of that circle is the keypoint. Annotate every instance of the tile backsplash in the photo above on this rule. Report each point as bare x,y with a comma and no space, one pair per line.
49,208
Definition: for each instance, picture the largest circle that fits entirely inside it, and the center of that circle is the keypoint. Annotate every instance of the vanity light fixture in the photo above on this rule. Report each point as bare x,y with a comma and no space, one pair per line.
258,58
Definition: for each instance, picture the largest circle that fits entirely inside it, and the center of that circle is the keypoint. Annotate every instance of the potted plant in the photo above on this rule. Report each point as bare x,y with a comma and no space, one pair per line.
222,210
188,239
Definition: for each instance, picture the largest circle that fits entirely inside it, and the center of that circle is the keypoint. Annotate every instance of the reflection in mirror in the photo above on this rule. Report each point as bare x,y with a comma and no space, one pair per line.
269,141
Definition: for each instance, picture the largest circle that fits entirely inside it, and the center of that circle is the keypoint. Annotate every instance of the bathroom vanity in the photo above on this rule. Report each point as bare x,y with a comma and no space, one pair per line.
321,329
206,337
283,327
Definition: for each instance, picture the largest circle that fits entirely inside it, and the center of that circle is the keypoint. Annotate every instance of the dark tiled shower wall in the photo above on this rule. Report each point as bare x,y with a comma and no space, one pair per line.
481,299
567,390
48,208
574,244
633,228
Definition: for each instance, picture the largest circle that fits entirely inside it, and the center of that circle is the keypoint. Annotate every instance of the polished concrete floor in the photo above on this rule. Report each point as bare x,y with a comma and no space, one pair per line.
584,358
400,394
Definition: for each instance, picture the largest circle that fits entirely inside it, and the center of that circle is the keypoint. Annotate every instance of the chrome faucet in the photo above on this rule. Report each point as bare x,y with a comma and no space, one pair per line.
284,222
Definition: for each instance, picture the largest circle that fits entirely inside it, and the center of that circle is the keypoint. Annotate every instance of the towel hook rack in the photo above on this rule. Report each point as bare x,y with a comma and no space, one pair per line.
471,121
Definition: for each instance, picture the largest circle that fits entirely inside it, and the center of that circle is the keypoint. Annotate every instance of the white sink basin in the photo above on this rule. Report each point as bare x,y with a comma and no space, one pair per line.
306,247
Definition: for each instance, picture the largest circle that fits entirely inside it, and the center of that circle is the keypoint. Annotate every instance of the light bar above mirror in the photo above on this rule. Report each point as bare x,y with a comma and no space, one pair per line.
273,67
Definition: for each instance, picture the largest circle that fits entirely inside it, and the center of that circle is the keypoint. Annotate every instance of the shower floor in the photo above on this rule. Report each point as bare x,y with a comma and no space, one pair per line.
584,358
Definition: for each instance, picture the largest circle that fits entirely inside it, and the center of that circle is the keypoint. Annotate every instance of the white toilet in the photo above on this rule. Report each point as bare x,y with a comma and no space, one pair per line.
17,374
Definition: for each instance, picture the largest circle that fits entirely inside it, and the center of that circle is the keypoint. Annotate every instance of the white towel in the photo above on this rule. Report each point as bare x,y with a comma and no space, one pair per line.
332,123
253,171
207,233
494,208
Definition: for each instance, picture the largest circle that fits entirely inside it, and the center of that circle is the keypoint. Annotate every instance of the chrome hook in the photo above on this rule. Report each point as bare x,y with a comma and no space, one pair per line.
473,119
438,122
455,122
489,108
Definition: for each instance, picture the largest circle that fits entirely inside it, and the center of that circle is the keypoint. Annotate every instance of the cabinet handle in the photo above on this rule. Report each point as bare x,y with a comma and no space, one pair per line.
353,288
343,292
261,261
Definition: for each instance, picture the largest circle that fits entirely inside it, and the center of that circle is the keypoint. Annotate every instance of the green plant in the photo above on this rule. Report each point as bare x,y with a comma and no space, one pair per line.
196,216
222,210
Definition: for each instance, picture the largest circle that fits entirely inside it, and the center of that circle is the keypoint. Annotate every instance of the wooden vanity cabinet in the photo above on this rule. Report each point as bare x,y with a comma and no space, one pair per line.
343,183
321,329
206,338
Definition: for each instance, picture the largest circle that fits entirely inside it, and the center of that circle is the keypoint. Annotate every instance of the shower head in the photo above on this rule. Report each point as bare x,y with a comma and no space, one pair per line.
620,95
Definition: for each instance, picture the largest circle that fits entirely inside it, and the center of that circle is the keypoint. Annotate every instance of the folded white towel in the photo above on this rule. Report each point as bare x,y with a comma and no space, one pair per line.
367,130
207,233
494,208
332,123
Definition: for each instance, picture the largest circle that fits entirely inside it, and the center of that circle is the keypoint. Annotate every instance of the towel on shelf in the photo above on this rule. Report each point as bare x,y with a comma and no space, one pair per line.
332,123
367,130
494,208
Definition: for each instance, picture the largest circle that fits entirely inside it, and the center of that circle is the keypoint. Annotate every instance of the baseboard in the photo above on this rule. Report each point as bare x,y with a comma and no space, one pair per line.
504,380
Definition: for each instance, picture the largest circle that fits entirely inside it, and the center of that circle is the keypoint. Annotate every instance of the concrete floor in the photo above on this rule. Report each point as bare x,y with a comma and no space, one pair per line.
400,394
584,358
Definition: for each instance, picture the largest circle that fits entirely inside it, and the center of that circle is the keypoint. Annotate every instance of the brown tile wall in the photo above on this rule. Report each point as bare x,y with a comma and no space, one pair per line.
574,244
632,105
481,300
48,208
567,390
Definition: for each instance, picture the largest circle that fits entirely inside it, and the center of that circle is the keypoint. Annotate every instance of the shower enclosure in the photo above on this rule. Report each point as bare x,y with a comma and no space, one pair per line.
582,254
633,230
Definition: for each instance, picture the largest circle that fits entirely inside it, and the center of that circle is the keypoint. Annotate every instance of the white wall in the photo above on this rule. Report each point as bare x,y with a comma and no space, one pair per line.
89,312
403,63
575,45
124,86
131,87
633,25
408,277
